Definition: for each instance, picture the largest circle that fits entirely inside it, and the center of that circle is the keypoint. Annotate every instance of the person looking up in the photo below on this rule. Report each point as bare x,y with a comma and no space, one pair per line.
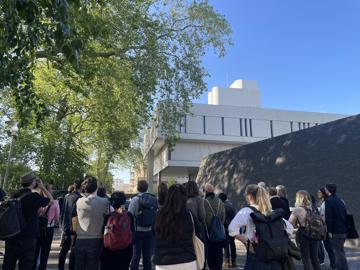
91,211
21,248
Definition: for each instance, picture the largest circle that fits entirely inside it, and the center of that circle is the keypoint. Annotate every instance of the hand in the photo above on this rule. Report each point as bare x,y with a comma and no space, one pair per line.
330,235
40,184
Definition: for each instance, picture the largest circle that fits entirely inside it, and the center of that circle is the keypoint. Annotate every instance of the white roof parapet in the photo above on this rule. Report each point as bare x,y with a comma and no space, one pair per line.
243,93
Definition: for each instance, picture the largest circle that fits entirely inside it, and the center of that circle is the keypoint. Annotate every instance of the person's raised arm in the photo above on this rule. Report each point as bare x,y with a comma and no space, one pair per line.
43,189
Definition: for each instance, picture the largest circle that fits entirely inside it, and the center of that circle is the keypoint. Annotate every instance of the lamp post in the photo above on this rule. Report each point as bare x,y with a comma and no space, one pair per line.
13,131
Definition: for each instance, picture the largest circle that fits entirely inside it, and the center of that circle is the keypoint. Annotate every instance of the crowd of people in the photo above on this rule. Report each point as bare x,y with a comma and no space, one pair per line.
182,228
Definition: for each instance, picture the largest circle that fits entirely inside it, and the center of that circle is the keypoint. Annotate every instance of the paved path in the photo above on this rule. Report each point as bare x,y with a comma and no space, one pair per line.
353,256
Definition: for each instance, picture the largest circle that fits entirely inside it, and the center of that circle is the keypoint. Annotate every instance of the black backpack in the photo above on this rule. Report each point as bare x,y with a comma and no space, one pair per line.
272,240
12,220
216,232
148,206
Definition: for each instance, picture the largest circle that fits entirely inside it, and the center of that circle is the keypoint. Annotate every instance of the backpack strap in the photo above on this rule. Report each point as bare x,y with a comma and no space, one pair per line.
217,211
192,220
212,210
253,208
24,195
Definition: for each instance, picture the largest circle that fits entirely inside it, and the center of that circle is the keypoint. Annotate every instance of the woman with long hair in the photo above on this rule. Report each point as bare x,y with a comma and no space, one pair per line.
243,228
174,247
49,217
162,193
308,247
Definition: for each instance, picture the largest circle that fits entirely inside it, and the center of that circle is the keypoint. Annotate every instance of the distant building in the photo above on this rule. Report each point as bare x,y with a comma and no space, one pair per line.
121,185
232,117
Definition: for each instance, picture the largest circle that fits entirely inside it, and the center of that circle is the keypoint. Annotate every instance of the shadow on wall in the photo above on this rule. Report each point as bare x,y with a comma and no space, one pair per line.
306,159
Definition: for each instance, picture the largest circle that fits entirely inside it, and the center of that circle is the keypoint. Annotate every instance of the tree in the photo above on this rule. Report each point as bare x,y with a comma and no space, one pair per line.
89,73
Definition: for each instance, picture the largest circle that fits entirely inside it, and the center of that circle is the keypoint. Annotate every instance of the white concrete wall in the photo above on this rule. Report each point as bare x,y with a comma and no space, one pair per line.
240,93
195,151
222,131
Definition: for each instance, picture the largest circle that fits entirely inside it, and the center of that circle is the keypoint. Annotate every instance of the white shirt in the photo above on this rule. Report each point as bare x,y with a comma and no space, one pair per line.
243,219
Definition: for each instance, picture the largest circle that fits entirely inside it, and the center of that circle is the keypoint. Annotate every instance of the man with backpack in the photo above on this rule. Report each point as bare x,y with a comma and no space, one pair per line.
21,247
68,236
335,218
214,220
143,207
230,247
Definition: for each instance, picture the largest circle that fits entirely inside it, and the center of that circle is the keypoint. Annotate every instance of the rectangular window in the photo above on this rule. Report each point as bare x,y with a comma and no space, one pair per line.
308,124
250,126
304,126
299,125
204,124
291,126
271,128
245,124
222,126
241,130
185,129
169,154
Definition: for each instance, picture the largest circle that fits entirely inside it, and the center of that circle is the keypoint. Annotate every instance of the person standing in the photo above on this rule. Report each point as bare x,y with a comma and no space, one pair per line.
230,247
195,204
213,207
91,211
335,218
277,202
22,246
243,228
118,259
51,214
281,192
308,247
322,196
143,207
174,229
68,236
162,193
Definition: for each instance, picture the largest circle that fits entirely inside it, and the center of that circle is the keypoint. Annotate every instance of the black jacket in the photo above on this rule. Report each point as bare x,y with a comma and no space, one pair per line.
335,215
168,252
68,211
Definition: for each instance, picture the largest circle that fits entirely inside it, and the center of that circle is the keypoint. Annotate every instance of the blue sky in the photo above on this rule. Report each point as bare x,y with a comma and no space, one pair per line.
304,54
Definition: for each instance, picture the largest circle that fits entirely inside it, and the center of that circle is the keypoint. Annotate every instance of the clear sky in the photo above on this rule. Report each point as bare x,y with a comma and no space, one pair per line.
304,54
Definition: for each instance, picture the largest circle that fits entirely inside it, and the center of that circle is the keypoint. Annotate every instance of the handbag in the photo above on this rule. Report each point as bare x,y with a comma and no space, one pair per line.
198,247
351,229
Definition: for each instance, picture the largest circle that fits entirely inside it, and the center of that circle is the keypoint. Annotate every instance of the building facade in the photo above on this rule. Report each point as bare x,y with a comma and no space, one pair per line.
232,117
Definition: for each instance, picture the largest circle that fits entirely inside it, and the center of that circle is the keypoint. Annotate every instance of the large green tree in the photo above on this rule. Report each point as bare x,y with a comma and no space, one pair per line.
85,75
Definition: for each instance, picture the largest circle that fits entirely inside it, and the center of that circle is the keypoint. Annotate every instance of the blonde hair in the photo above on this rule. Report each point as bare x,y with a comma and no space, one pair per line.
261,198
302,199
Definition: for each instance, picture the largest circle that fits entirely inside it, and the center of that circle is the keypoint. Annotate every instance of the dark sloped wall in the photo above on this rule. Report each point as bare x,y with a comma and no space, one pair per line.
307,159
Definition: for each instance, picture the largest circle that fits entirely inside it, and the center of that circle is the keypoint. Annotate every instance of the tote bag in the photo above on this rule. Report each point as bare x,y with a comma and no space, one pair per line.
198,247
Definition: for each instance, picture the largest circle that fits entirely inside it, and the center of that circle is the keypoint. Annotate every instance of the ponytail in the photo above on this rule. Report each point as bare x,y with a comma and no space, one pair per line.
263,201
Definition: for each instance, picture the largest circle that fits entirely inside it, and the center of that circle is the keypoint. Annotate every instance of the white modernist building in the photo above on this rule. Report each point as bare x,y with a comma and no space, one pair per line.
232,117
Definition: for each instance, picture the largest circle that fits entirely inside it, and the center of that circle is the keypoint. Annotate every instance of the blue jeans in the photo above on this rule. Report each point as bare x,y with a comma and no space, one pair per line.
143,244
330,252
337,244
